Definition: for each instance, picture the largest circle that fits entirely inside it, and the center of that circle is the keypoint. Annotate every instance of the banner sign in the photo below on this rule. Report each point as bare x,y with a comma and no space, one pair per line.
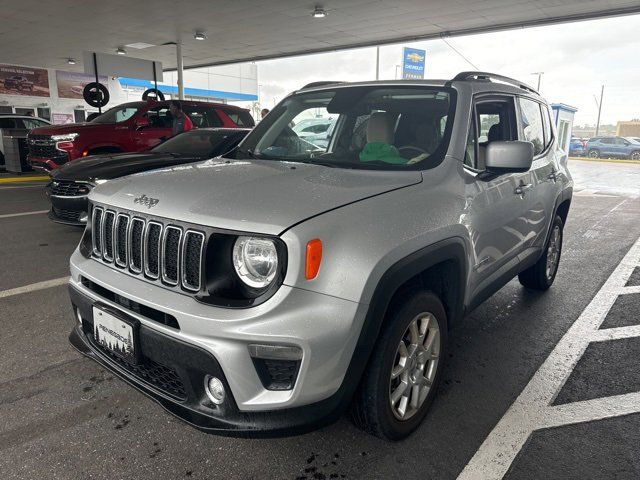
119,66
413,60
62,118
15,80
71,84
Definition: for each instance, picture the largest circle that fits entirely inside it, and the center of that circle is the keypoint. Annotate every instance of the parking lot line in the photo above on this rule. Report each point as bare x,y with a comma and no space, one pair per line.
32,178
532,409
34,287
9,215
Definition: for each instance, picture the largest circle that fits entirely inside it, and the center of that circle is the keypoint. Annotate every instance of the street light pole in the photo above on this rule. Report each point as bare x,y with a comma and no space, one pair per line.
539,74
377,63
599,110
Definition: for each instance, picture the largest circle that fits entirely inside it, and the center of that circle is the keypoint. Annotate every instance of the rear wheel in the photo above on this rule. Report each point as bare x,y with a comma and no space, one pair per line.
405,368
541,275
594,154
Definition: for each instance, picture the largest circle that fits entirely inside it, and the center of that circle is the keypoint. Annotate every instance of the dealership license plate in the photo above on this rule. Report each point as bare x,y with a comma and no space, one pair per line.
114,334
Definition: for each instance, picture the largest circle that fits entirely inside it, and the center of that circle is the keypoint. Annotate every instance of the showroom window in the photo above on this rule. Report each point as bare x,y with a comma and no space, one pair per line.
531,122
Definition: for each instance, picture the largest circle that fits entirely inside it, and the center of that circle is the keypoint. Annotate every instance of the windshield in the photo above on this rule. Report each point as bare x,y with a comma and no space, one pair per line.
195,143
383,127
120,113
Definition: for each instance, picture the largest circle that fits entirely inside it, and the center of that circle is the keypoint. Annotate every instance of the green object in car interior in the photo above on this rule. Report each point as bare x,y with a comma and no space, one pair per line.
381,152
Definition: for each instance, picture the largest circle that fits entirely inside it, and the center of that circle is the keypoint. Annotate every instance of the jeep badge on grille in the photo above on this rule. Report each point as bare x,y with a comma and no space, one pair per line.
148,201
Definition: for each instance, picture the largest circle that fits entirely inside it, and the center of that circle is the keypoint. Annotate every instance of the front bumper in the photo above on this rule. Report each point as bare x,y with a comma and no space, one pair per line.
68,210
213,341
46,164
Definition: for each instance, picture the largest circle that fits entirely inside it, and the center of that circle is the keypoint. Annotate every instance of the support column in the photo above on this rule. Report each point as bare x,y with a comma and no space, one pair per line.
180,68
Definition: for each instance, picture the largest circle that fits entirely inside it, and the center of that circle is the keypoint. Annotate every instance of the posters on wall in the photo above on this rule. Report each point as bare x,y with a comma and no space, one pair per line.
62,118
71,84
16,80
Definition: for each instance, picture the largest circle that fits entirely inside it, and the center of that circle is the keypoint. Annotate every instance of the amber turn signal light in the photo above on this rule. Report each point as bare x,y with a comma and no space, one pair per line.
314,258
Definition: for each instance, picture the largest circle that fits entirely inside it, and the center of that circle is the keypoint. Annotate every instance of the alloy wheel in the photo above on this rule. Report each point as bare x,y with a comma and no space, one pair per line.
553,252
415,366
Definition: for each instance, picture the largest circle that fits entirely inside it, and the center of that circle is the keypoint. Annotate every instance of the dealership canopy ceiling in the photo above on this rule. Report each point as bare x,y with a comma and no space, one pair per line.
46,34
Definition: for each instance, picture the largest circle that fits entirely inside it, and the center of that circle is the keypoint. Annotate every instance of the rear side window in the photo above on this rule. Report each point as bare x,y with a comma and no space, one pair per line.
202,117
241,118
531,123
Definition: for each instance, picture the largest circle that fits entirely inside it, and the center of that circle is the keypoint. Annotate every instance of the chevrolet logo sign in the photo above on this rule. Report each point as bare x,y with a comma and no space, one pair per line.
414,57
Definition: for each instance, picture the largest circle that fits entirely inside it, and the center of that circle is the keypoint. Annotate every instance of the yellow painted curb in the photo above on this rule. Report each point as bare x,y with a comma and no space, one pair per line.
606,160
39,178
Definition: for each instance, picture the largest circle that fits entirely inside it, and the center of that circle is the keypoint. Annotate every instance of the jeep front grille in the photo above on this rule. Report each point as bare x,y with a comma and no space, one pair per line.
165,253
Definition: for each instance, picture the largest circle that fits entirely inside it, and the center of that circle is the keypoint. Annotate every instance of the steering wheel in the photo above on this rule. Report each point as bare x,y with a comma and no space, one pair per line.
411,151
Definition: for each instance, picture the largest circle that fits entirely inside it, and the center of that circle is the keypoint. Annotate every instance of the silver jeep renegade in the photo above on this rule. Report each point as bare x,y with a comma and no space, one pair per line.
301,276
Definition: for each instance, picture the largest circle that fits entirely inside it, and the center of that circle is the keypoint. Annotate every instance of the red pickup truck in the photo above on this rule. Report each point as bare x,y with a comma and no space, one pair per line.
130,127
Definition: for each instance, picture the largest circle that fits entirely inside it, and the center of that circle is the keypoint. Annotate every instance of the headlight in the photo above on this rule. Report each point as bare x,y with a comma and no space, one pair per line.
255,261
66,137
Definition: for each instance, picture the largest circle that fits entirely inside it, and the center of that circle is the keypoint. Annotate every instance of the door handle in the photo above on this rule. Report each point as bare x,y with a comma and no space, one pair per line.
522,189
553,176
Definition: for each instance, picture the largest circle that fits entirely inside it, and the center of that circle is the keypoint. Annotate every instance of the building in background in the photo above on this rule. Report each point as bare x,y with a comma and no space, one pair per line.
628,129
564,115
56,95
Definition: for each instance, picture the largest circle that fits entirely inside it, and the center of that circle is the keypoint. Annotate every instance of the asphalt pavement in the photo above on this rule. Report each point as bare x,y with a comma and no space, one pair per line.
63,417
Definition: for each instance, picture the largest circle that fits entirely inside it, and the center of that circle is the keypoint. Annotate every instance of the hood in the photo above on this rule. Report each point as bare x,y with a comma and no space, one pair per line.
261,196
107,167
69,128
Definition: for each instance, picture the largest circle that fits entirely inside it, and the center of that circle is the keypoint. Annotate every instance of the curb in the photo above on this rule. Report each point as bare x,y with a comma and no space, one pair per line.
606,160
32,178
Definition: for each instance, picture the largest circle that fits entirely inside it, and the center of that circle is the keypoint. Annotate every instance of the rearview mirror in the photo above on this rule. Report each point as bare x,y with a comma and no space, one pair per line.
506,157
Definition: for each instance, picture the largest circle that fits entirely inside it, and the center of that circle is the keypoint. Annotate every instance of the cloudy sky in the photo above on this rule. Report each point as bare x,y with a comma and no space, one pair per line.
577,59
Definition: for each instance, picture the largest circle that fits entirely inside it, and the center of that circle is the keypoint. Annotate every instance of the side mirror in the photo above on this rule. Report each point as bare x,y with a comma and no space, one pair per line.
508,157
142,122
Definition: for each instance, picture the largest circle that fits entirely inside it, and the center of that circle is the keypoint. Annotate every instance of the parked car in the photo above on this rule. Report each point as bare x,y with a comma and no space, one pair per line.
577,148
613,147
130,127
71,183
18,82
315,130
268,291
10,121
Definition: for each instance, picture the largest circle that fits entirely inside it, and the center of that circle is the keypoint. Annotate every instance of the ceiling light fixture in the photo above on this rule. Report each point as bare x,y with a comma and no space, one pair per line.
319,12
121,51
71,61
200,36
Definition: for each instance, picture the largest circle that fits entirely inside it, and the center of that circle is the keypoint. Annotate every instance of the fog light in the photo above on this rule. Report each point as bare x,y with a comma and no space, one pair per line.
215,389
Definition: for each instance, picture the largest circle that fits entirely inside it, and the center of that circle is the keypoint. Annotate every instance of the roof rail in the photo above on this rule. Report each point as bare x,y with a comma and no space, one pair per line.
321,84
473,75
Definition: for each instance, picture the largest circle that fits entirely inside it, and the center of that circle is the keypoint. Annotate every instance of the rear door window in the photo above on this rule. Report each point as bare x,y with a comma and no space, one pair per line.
531,124
202,117
240,117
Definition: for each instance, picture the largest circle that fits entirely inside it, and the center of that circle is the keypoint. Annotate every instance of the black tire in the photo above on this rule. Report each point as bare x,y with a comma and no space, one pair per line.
538,277
153,93
95,94
371,409
635,155
594,153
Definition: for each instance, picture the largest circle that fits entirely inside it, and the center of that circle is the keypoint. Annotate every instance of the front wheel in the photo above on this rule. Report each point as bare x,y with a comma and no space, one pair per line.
541,275
635,155
405,368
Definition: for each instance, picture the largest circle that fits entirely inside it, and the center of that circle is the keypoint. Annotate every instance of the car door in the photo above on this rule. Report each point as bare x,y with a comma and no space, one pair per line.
607,147
535,127
153,127
496,212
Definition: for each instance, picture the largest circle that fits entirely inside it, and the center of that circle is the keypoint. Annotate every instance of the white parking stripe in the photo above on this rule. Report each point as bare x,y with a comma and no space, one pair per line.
9,215
532,411
34,286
